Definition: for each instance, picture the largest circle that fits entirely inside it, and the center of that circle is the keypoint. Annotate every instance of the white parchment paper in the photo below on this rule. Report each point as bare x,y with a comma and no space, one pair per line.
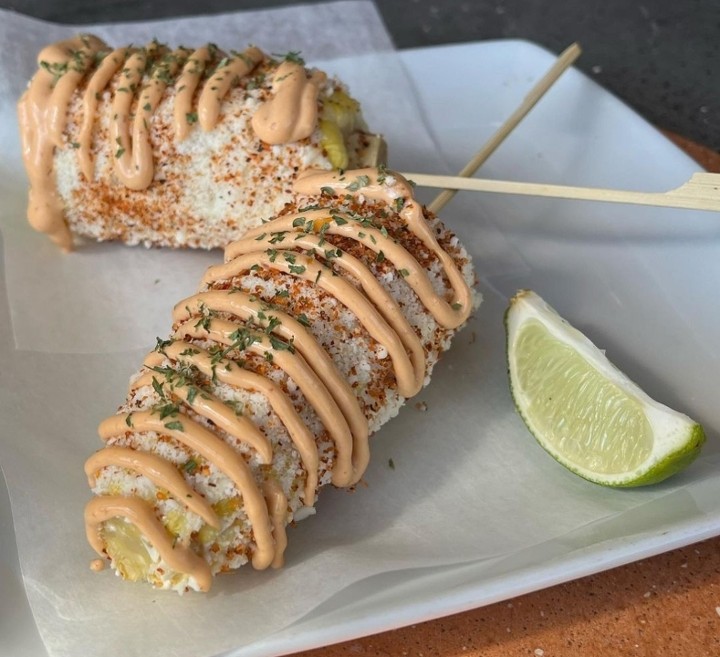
99,283
469,497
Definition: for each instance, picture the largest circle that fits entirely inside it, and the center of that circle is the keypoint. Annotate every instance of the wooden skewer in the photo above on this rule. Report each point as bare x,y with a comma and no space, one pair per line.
701,192
563,62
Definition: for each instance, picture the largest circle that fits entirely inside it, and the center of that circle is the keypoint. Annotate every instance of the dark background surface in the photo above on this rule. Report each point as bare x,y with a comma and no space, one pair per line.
662,57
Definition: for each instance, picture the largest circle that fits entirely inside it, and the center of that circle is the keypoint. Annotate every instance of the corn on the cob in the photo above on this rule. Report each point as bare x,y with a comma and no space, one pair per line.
306,340
176,148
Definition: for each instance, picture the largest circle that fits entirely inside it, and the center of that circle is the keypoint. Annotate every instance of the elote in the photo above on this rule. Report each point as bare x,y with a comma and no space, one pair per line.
310,336
176,148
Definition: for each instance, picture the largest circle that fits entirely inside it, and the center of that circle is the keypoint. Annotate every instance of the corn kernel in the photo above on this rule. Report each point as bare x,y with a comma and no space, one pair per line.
332,141
227,506
124,545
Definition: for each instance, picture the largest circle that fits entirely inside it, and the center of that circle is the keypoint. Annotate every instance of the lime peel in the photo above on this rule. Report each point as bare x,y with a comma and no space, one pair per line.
585,412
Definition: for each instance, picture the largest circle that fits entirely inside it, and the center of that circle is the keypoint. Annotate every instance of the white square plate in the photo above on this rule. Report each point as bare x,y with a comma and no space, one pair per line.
640,281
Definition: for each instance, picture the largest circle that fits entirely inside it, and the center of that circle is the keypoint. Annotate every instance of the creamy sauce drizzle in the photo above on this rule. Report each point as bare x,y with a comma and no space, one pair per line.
143,75
158,470
313,389
249,308
277,507
389,188
302,357
215,450
210,407
292,113
142,515
42,112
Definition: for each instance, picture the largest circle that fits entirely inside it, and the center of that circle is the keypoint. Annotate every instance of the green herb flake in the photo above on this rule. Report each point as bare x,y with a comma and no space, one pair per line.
167,410
190,466
456,306
297,269
175,425
391,464
293,56
157,386
281,345
358,183
160,344
327,190
191,117
303,319
404,273
129,420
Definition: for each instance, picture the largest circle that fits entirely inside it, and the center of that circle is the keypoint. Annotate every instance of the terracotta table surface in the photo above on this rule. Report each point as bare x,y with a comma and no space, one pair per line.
665,606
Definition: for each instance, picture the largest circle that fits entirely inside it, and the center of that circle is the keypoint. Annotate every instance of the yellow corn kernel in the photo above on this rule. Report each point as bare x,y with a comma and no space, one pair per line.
207,534
227,506
176,522
124,545
332,141
342,110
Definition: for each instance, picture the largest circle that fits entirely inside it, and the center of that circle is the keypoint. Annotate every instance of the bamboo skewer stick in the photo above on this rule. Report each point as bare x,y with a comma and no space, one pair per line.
701,192
563,62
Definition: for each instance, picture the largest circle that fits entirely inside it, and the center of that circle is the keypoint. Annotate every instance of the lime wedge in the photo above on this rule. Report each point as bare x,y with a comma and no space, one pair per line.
582,410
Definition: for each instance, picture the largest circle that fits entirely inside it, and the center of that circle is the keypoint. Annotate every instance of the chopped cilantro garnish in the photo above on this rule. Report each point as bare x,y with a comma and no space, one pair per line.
278,237
280,345
176,425
160,344
360,181
157,386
